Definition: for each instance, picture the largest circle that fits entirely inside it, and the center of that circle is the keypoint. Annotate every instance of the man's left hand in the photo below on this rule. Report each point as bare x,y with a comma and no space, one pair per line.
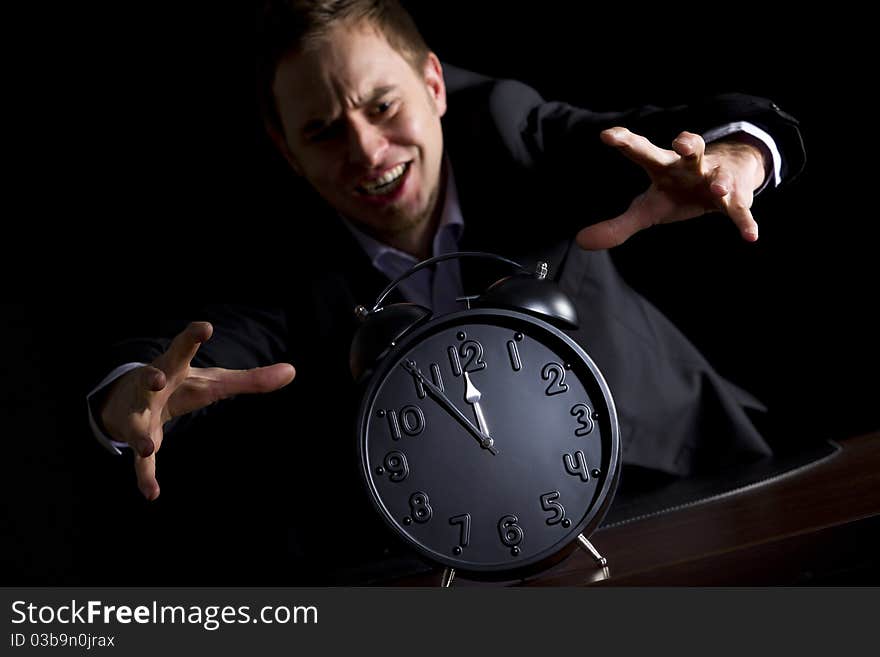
686,182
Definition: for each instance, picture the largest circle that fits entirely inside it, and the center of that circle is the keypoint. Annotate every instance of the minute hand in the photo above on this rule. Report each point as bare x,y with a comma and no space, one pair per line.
485,441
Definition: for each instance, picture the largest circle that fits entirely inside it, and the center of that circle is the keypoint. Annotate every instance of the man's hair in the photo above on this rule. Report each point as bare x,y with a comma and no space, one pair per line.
285,26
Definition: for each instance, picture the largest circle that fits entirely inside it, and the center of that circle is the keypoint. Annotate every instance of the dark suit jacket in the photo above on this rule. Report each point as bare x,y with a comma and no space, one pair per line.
529,174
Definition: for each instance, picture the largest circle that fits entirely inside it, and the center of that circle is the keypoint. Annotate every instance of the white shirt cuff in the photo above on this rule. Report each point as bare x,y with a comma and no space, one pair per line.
750,129
114,446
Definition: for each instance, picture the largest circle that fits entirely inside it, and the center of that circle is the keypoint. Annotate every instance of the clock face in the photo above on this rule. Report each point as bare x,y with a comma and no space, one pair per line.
489,441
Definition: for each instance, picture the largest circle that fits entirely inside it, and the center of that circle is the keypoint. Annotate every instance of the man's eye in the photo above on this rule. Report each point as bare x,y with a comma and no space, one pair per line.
384,106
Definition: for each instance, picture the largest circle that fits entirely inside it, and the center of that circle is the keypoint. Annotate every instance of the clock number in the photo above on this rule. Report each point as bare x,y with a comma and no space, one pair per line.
473,351
394,425
413,420
420,387
465,533
511,533
454,361
576,465
549,503
435,376
396,466
555,372
585,420
410,418
420,507
513,352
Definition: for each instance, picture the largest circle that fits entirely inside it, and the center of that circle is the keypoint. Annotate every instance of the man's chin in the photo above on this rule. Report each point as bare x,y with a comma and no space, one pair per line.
390,220
395,225
394,222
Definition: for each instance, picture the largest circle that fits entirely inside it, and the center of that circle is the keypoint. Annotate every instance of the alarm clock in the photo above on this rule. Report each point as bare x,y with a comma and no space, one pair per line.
487,438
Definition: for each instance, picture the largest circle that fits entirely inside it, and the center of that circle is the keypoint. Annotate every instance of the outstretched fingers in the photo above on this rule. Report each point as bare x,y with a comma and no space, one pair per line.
145,469
140,441
721,183
734,202
204,386
741,215
686,182
129,419
152,379
255,381
691,148
638,148
171,387
614,232
175,361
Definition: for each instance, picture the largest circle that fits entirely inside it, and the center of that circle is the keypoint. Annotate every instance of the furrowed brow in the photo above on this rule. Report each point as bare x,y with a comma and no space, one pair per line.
377,93
315,126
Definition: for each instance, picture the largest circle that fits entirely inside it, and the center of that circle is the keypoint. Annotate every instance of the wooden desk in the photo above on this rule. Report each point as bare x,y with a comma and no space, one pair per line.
817,526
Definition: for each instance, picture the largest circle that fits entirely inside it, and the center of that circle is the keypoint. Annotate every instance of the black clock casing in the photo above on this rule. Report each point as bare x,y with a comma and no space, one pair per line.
495,510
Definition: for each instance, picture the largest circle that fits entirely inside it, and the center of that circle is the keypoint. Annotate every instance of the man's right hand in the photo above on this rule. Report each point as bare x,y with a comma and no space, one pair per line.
139,403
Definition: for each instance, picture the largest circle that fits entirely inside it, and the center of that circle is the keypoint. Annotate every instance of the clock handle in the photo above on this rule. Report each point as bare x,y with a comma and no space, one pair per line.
542,273
528,291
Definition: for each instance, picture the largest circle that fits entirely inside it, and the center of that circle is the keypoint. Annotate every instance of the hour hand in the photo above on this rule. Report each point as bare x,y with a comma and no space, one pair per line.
472,396
485,441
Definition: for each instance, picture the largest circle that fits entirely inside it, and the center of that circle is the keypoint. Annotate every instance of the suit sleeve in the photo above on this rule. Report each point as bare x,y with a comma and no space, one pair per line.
558,130
244,337
560,142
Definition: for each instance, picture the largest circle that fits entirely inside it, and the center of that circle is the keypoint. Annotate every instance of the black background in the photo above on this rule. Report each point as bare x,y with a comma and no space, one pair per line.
155,186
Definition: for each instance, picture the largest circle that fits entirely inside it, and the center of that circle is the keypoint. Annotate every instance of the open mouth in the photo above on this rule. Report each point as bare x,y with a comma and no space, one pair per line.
387,183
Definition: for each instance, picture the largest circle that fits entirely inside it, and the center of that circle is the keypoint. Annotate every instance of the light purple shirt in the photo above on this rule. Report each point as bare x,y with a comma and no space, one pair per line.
435,287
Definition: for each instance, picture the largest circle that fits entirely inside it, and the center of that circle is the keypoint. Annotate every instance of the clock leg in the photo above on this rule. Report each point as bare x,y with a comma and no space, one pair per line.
602,561
448,576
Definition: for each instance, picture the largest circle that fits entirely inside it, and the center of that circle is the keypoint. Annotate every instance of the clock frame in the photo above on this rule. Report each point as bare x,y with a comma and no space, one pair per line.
515,498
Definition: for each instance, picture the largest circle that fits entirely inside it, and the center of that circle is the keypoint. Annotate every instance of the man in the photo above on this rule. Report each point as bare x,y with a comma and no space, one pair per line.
409,160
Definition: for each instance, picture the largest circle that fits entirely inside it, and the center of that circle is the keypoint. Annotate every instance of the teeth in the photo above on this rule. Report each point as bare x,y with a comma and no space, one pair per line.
388,177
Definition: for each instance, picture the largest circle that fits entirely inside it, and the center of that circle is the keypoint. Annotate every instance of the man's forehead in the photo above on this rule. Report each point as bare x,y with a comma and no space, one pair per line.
348,67
331,99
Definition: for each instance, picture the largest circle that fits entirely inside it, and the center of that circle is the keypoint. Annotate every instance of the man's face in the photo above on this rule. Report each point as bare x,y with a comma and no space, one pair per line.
363,127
